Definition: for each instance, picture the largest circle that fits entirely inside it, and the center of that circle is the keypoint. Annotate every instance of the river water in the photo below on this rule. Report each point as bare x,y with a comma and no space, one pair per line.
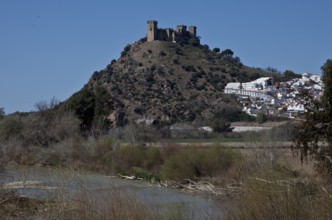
53,181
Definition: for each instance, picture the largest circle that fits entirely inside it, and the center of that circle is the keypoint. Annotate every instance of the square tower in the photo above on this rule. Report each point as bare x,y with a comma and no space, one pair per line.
152,33
192,31
181,29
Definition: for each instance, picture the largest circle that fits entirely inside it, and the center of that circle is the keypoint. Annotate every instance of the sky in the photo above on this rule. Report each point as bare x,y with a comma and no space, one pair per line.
50,48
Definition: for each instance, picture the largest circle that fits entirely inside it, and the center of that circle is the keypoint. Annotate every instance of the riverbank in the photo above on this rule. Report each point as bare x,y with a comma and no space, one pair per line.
68,191
261,173
254,169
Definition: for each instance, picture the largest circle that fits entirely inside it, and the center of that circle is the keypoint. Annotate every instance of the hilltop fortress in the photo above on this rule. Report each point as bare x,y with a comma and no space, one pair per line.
168,34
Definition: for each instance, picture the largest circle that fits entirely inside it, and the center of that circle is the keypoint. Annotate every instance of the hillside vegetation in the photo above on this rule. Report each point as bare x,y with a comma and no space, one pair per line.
165,83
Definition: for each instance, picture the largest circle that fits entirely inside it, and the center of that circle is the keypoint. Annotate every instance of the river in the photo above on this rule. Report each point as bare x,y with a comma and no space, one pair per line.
47,182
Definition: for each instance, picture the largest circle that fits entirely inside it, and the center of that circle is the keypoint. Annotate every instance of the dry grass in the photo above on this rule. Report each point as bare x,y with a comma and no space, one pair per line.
111,204
274,185
84,207
279,194
13,206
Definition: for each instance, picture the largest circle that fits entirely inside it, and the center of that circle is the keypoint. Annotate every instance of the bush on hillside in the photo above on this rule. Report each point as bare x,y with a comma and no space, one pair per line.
10,127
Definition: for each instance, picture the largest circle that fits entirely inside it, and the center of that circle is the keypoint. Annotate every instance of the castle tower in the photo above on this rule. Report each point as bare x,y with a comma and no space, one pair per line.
181,29
192,31
152,33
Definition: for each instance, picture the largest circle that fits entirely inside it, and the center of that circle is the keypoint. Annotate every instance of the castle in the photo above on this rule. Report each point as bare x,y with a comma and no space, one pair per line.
168,34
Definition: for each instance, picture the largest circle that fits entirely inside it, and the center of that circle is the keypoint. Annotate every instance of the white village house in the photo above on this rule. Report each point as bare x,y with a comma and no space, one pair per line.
258,88
261,95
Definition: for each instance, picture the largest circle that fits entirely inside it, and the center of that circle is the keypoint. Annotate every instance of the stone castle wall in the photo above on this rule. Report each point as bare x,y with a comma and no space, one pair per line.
168,34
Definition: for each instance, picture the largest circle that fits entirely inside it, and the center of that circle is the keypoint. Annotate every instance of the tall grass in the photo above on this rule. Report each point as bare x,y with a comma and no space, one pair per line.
108,204
273,189
278,194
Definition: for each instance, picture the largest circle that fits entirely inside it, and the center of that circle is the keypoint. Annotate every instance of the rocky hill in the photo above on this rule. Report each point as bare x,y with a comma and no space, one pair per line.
162,82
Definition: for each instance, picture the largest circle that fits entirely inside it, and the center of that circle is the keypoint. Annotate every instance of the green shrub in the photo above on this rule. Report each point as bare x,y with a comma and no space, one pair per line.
216,50
221,125
10,127
176,61
179,167
126,49
139,172
261,118
189,68
194,163
126,157
53,159
103,150
153,159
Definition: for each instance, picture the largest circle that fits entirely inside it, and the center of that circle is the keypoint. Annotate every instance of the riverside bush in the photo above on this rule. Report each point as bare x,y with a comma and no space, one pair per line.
126,157
137,160
171,163
195,163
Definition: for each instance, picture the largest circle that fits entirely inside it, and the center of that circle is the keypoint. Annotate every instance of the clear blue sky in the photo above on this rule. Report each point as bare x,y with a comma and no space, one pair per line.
50,48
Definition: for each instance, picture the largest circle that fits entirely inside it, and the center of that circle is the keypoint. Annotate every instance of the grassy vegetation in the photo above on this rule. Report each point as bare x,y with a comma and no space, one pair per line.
279,189
277,192
15,207
195,163
111,205
256,185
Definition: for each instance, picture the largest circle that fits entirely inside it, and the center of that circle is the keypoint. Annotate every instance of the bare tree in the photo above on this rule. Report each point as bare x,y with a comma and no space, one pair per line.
53,103
41,106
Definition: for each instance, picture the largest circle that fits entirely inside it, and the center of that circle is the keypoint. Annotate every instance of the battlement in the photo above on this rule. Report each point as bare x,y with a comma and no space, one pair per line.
154,33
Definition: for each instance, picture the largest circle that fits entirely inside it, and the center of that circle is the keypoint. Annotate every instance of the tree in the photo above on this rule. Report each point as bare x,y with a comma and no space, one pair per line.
261,118
327,95
216,50
103,106
272,70
221,125
237,59
83,105
2,112
41,106
227,53
314,136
